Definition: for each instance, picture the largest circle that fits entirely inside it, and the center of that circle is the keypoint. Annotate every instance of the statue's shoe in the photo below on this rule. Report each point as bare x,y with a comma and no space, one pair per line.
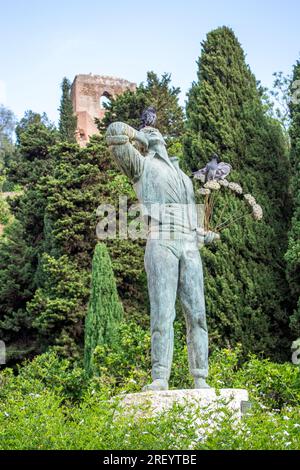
201,383
157,384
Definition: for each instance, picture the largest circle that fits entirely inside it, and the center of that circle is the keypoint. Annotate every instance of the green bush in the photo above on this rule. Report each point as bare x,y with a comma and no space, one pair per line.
50,404
273,385
259,430
46,372
126,365
41,421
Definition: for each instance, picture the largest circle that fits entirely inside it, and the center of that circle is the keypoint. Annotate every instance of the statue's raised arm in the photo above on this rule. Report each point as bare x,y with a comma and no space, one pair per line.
120,138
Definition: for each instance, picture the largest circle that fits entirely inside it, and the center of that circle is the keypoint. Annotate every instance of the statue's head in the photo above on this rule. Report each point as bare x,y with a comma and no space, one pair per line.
153,136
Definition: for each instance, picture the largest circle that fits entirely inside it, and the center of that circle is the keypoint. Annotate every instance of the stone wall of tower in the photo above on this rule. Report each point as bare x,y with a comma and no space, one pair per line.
87,91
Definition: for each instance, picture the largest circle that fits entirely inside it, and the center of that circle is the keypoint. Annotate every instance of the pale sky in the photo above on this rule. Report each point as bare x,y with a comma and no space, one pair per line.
43,41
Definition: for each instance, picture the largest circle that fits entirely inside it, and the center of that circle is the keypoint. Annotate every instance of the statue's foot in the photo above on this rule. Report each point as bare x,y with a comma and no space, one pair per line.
201,383
157,384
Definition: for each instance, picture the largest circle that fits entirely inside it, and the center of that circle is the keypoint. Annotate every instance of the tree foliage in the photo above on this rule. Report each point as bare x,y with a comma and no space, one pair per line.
156,92
56,221
22,243
293,252
245,286
7,126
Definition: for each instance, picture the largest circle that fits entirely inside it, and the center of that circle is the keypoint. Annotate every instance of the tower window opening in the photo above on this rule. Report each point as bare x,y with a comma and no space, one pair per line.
104,100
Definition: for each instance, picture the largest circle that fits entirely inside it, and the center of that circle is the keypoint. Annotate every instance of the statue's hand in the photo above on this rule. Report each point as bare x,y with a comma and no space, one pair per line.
207,237
141,140
120,129
117,139
120,133
211,237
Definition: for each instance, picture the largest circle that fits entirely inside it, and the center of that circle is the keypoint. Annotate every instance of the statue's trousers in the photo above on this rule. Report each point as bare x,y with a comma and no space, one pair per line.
175,267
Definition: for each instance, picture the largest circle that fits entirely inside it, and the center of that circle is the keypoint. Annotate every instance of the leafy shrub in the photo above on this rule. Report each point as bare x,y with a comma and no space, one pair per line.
259,430
50,404
127,363
46,372
274,385
41,421
31,420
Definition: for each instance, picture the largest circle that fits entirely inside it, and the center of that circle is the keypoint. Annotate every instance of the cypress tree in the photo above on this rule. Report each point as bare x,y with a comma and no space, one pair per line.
245,285
105,309
293,252
67,118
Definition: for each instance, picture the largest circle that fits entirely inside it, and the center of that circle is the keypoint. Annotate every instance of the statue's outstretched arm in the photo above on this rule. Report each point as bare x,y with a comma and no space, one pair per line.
119,137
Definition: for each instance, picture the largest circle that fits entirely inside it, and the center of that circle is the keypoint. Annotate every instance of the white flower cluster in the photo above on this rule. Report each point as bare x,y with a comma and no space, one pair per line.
236,188
257,212
250,199
214,185
224,183
204,191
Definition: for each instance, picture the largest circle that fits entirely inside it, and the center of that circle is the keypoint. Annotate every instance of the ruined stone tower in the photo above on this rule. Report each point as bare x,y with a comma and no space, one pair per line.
88,93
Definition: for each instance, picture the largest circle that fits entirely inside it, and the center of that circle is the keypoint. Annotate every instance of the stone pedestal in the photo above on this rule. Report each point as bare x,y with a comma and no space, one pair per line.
208,403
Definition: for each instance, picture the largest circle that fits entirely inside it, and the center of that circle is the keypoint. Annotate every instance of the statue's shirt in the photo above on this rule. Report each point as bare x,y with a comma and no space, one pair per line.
165,192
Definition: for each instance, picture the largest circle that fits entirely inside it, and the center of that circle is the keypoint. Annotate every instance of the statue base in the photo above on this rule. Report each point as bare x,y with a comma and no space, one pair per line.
208,403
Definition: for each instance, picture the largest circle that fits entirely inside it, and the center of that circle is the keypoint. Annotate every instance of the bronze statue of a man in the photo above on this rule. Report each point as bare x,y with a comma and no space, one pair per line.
172,259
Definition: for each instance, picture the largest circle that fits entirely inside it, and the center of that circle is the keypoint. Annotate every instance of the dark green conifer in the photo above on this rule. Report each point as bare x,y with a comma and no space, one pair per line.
293,252
245,285
105,310
67,118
